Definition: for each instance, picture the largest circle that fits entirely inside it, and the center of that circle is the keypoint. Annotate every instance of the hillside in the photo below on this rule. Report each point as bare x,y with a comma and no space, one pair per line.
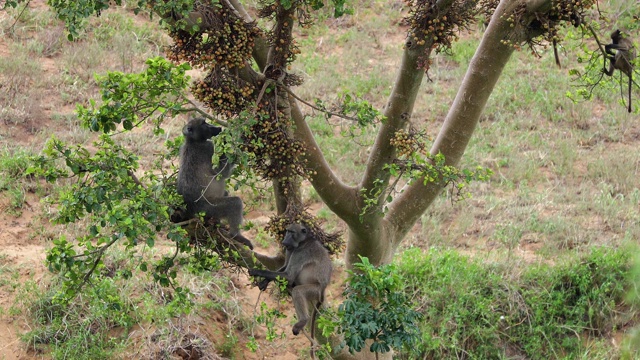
565,179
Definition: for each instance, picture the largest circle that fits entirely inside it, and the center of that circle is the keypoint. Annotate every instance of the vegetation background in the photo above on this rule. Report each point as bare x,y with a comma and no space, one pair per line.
534,265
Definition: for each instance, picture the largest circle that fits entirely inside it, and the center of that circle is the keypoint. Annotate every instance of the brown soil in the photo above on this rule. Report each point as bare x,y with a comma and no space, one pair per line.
23,255
24,239
23,244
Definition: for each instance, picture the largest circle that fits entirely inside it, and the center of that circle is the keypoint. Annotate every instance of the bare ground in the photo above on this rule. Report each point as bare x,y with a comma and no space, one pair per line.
24,238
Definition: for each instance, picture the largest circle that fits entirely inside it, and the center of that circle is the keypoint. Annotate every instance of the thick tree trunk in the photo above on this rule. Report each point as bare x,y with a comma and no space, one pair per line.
378,239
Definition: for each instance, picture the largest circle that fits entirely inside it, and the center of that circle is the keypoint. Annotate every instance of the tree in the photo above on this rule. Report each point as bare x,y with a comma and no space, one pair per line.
248,88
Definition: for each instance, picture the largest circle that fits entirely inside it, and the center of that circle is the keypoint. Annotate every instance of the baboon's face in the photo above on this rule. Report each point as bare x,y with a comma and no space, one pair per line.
197,130
616,36
296,233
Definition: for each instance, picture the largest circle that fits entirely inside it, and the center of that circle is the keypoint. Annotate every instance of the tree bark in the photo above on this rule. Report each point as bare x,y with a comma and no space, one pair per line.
485,69
378,239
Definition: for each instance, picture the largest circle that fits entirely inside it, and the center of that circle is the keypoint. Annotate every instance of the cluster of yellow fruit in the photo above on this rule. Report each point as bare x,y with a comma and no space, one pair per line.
407,144
224,93
222,40
277,154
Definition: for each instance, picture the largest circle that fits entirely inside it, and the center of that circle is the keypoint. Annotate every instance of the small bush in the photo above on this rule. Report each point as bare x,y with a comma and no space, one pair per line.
86,328
474,310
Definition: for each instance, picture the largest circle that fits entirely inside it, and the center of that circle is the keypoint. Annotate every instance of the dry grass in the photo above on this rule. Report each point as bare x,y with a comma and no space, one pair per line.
565,174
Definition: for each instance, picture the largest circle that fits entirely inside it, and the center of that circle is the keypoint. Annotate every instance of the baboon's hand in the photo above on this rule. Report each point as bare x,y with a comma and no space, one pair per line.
262,285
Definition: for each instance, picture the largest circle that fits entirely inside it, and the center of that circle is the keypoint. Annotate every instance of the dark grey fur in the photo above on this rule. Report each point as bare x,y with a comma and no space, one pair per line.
622,59
202,186
307,269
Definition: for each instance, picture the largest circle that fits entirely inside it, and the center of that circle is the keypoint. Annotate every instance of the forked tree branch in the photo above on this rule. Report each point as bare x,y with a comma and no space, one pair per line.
482,75
398,111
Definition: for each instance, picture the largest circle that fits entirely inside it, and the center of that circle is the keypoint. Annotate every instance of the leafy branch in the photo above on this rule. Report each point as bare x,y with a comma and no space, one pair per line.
118,207
428,168
351,108
131,99
375,308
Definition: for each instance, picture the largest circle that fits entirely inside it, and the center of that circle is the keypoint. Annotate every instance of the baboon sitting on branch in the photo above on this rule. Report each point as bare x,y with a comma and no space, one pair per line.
202,186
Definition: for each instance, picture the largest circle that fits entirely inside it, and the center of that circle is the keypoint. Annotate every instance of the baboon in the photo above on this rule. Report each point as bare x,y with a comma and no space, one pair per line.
622,59
307,269
202,186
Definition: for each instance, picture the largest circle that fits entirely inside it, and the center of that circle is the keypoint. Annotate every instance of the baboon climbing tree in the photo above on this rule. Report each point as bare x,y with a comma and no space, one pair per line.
249,88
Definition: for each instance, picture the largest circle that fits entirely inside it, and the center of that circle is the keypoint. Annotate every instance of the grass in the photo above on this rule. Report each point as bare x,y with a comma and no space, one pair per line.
13,182
564,184
81,330
486,310
136,316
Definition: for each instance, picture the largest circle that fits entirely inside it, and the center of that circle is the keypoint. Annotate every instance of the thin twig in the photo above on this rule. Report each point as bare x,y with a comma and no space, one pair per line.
267,82
100,252
186,222
595,36
135,179
101,249
26,5
314,344
330,113
206,115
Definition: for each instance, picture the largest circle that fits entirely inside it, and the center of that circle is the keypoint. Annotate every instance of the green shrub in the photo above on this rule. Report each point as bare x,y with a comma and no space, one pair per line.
85,328
375,309
481,311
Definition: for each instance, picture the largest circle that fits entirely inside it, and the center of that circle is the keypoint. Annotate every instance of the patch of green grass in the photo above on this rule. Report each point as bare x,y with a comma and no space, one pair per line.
619,170
73,88
21,77
509,235
333,136
13,164
86,328
83,59
8,275
489,311
462,51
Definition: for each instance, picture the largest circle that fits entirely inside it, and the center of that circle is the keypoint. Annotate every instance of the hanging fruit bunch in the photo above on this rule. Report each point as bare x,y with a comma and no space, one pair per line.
439,29
221,43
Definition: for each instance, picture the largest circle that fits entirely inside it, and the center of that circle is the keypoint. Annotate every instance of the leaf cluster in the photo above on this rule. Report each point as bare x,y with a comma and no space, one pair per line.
428,169
130,99
117,202
375,308
118,207
435,169
74,13
10,4
340,7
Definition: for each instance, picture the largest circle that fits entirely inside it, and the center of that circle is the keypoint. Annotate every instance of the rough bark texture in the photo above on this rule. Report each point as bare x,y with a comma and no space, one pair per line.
484,70
377,235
